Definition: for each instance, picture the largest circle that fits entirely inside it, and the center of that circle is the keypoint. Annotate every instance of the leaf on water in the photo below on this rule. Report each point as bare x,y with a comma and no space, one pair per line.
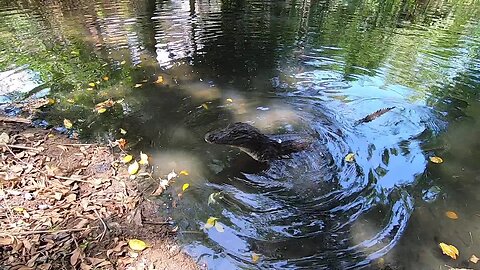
171,175
183,172
50,101
159,79
70,100
436,160
138,85
229,100
211,197
219,227
92,84
255,257
143,159
133,168
123,62
205,106
451,215
76,53
123,131
127,158
67,123
210,222
4,138
474,259
101,110
137,245
89,89
105,78
350,157
449,250
185,186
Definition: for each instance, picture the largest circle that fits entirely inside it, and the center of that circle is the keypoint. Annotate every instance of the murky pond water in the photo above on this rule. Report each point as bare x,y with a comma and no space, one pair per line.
182,68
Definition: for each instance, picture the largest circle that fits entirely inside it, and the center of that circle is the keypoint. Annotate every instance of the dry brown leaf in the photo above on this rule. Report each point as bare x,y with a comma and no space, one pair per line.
451,215
71,198
77,254
5,241
474,259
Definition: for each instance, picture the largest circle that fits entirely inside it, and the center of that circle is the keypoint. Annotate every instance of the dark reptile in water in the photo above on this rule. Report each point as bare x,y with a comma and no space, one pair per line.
263,147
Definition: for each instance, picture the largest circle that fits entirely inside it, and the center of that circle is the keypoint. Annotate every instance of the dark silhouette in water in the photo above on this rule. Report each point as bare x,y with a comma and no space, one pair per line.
374,115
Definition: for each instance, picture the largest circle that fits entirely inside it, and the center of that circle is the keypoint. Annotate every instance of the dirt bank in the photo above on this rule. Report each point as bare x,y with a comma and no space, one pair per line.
68,205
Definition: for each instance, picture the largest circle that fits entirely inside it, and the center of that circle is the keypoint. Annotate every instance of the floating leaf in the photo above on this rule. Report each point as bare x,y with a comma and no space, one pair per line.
212,197
67,123
219,227
159,80
137,245
183,172
185,186
436,160
229,100
210,222
205,106
101,110
451,215
127,158
76,53
92,84
123,131
50,101
133,168
70,100
123,62
350,157
255,257
143,159
474,259
90,89
138,85
105,78
449,250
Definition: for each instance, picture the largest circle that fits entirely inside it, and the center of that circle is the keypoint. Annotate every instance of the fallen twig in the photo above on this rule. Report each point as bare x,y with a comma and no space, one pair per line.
15,120
46,231
22,147
103,223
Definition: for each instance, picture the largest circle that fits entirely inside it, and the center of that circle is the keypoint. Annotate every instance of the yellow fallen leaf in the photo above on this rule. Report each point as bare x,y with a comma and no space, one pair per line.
50,101
123,131
183,172
474,259
436,160
133,168
205,106
70,100
76,53
185,186
350,157
210,222
101,110
18,209
137,245
451,215
229,100
138,85
159,80
449,250
255,257
123,62
67,123
127,158
105,78
143,159
89,89
92,84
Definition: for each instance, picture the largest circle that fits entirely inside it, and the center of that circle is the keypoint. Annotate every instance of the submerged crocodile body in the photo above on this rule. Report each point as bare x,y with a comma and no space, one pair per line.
263,147
259,146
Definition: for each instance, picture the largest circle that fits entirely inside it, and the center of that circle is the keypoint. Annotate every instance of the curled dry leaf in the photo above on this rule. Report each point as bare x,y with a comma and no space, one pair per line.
436,160
137,245
133,168
350,157
449,250
159,80
451,215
